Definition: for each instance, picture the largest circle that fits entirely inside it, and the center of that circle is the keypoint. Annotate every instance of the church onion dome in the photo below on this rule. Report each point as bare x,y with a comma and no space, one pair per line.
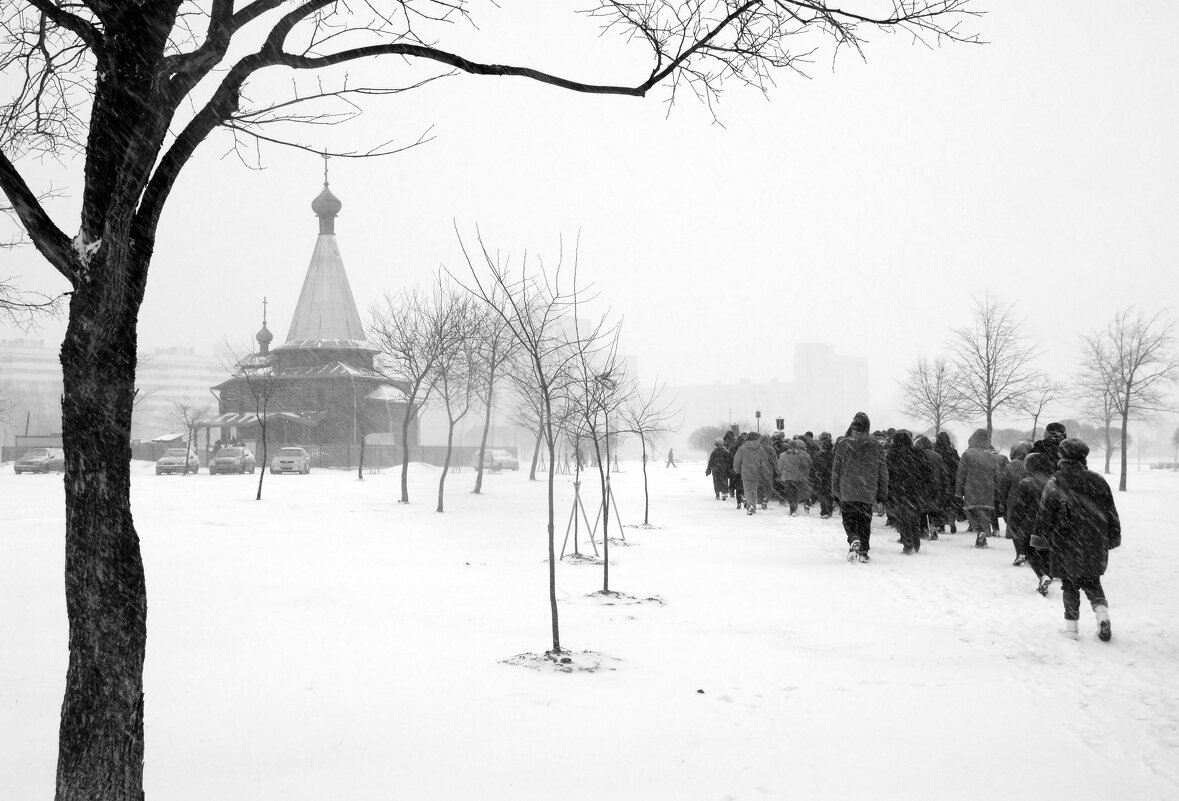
326,206
264,338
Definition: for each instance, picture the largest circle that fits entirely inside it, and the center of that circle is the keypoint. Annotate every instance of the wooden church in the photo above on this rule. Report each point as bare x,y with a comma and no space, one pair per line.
320,389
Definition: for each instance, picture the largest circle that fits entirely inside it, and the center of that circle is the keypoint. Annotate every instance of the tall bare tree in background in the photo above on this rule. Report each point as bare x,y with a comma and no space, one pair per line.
931,393
647,416
126,92
1134,358
1036,402
413,331
993,361
190,415
459,373
495,348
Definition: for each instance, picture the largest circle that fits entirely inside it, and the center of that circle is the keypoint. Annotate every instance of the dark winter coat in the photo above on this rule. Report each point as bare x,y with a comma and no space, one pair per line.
1050,447
752,464
908,476
1009,478
1023,504
977,474
934,490
719,462
821,465
945,449
1078,518
858,471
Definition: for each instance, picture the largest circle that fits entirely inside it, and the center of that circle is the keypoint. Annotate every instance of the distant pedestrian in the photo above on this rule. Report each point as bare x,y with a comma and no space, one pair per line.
671,459
1078,519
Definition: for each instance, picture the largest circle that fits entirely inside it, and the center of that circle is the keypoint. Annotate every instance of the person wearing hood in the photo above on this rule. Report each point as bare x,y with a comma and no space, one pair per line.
1022,505
1009,479
1078,520
821,474
908,481
952,510
720,465
733,441
1054,435
859,479
794,468
932,492
752,464
975,484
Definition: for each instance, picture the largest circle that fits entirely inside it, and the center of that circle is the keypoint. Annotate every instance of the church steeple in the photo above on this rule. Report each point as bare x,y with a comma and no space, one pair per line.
325,316
264,337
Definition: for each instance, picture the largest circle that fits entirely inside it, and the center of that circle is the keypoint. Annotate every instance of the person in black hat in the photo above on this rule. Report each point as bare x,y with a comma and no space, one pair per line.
1054,434
1080,525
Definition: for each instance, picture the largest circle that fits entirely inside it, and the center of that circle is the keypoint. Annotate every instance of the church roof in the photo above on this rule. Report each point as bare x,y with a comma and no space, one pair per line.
325,317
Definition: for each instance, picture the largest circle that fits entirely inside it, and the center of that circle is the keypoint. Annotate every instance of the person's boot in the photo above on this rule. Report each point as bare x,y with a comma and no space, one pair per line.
1103,631
980,540
752,510
853,551
863,556
1071,630
1045,582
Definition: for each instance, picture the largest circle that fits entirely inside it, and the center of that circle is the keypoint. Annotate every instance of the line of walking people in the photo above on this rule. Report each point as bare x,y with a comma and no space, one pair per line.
1061,517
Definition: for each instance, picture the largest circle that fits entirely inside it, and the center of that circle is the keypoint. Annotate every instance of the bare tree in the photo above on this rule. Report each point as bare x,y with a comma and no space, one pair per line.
189,415
495,350
993,361
527,409
536,308
134,89
647,416
19,307
256,371
1045,393
413,332
458,377
1136,355
931,393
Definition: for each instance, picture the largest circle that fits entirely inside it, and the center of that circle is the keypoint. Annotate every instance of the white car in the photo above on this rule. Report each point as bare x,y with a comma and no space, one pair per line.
291,460
496,460
178,460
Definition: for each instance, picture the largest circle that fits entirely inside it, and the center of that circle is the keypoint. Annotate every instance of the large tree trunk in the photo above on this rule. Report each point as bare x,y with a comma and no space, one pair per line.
100,747
1108,447
646,494
536,456
405,452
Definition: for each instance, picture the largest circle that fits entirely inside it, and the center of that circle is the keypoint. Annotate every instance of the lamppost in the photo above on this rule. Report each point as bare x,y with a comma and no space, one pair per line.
757,414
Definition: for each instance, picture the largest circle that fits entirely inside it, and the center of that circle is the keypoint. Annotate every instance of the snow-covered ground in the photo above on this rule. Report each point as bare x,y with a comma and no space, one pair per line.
329,643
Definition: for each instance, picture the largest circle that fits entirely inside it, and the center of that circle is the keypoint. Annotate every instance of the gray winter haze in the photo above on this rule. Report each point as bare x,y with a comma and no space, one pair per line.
863,206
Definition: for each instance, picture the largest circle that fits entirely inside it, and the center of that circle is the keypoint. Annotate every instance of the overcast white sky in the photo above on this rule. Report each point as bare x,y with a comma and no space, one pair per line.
862,207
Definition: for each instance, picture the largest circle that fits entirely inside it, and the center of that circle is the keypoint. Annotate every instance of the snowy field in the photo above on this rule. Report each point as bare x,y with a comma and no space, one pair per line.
328,643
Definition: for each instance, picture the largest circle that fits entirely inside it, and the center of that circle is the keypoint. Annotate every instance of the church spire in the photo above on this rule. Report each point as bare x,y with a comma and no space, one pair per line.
326,205
264,337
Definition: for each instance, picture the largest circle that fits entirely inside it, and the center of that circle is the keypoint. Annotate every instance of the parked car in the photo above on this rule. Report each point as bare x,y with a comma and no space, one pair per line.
291,460
40,460
178,460
496,460
232,460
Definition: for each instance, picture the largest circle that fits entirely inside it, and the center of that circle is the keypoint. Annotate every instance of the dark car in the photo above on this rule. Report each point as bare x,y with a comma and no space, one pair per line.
40,460
232,460
178,460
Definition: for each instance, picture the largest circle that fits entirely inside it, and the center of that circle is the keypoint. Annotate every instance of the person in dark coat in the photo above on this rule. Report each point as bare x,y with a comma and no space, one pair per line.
931,497
951,507
908,482
733,441
859,479
1054,434
1022,505
821,474
767,489
975,485
1078,519
720,465
794,469
1009,477
752,464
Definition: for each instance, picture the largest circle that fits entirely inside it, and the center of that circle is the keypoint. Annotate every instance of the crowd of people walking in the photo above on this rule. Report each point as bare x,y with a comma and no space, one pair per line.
1060,516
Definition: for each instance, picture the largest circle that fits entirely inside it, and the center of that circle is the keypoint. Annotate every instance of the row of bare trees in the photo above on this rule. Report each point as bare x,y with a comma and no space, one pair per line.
1126,372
